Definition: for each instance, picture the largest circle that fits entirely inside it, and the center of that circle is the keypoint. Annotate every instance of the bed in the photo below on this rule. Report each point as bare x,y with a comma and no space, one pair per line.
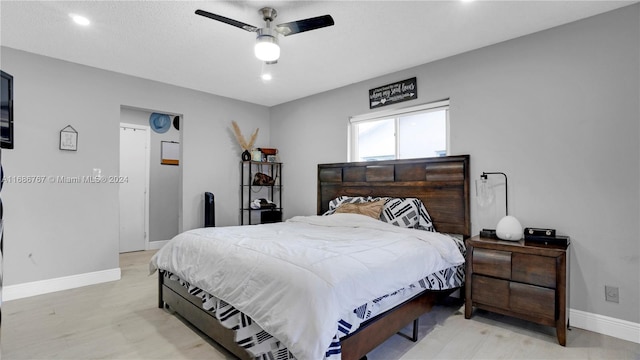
442,184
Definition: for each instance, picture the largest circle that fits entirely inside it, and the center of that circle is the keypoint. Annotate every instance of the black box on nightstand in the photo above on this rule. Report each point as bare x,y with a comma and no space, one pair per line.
558,240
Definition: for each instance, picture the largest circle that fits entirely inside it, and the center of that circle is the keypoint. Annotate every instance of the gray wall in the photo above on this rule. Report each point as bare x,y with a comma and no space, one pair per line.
164,180
558,111
56,230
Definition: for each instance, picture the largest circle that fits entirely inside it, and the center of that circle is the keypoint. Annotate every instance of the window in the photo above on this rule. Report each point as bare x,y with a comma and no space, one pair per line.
419,131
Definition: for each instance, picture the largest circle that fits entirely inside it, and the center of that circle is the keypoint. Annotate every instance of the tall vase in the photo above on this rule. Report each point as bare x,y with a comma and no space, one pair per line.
246,155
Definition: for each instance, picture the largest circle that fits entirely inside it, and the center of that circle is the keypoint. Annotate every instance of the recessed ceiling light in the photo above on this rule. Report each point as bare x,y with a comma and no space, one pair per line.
266,76
80,20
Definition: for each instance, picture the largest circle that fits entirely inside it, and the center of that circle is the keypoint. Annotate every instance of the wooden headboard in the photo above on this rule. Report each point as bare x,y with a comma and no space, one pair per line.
442,183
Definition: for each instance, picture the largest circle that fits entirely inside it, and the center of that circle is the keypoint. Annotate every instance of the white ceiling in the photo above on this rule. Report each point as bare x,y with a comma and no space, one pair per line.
167,42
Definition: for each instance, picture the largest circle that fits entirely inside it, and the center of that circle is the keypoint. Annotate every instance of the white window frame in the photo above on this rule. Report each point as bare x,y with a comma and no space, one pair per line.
393,114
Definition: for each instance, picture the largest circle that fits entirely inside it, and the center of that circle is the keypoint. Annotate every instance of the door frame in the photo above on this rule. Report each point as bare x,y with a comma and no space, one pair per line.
147,172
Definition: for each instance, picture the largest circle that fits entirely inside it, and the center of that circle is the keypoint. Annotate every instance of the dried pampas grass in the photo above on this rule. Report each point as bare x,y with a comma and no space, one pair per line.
241,140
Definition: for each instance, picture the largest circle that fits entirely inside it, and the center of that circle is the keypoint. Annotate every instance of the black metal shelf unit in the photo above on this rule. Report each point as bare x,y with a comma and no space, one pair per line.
250,191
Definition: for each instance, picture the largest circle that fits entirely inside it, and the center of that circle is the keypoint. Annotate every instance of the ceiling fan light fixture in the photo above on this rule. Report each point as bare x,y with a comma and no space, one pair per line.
267,48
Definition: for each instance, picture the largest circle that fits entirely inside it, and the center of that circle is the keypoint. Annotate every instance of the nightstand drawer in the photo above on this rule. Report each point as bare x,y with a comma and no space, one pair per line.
534,269
492,263
490,291
530,299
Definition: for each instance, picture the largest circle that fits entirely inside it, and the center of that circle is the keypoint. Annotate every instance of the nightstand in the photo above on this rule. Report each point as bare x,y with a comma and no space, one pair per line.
512,278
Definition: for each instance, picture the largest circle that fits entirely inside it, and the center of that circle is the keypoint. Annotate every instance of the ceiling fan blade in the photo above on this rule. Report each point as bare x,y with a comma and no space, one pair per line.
226,20
299,26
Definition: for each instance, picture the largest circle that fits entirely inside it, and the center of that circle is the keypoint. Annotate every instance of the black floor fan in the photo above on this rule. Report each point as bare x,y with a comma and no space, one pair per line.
209,210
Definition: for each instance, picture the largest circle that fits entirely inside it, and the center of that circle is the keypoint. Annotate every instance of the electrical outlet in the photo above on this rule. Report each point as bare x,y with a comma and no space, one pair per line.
611,294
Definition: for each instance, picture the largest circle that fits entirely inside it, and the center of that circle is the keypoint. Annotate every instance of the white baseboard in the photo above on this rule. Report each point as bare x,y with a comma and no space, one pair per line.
19,291
618,328
155,245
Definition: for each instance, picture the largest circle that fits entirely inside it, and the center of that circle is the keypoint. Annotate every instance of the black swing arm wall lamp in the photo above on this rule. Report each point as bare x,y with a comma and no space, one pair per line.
484,176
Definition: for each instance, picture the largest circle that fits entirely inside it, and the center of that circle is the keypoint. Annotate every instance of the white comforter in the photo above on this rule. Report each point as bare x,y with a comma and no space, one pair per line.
295,279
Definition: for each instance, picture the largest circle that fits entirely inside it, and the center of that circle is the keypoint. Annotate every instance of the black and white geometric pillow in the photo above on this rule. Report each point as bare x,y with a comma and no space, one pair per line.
400,212
406,212
403,212
424,220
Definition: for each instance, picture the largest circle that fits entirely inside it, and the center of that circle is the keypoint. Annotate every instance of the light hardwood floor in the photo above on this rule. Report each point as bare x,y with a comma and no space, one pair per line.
121,320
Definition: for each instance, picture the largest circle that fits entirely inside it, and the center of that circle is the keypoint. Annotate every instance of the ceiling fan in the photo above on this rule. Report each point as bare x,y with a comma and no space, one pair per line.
267,48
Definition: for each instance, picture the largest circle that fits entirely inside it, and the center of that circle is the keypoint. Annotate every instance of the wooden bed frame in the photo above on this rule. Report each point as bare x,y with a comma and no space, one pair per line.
443,186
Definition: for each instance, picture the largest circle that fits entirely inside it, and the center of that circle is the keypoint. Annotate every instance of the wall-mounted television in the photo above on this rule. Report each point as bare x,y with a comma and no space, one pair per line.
6,111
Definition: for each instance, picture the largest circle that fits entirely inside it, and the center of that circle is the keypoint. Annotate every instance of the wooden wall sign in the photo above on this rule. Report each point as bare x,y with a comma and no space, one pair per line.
393,93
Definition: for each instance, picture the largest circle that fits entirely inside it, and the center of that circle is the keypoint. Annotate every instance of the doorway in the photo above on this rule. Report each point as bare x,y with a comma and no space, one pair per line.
133,193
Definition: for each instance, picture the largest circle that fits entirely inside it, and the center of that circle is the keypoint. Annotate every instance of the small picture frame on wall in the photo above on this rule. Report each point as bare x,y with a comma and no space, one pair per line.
68,138
170,153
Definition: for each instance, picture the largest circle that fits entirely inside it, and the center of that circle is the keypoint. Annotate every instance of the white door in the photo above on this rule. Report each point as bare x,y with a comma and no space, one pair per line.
133,191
